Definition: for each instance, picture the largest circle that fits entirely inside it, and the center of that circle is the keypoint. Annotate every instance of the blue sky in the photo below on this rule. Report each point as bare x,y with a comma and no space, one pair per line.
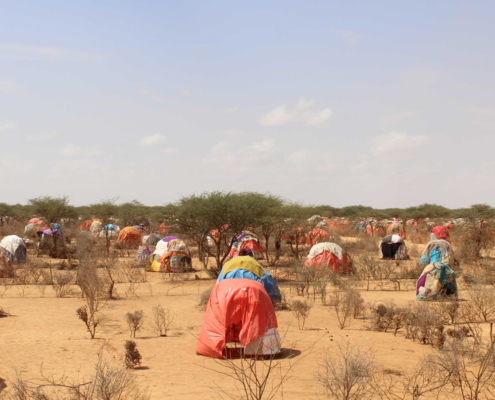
383,103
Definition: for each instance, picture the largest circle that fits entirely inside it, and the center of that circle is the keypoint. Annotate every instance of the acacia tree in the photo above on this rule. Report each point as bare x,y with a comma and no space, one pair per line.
53,209
227,213
133,213
105,211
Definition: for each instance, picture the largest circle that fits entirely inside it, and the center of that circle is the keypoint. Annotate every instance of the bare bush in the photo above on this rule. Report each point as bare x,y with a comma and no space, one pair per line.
301,310
347,304
367,268
204,298
95,289
472,377
349,375
132,357
109,382
483,301
162,320
135,321
62,284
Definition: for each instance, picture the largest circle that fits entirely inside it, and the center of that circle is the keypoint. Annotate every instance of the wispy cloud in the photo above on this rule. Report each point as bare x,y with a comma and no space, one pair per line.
301,112
350,37
225,152
41,138
6,125
8,86
153,140
26,52
396,141
71,150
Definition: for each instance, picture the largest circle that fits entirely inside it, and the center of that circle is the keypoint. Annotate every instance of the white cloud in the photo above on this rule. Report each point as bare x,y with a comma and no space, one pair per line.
6,125
298,157
392,119
396,141
153,140
481,116
231,110
187,93
350,37
24,52
170,151
301,112
41,138
71,150
225,152
8,86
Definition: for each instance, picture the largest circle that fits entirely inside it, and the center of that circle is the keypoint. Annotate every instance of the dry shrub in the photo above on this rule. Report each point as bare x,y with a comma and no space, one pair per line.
349,375
347,304
62,284
132,357
162,320
301,309
483,301
135,321
204,298
108,381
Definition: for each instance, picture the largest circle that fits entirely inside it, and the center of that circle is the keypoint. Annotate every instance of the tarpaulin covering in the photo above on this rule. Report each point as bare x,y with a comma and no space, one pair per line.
242,268
36,221
130,235
164,229
316,236
85,225
239,310
51,232
329,255
436,280
15,248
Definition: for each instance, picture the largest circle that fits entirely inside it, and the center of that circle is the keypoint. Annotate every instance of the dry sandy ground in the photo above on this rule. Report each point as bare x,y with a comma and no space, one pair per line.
45,332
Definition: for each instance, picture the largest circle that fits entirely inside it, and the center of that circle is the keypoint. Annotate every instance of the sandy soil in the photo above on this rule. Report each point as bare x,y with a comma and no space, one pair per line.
44,332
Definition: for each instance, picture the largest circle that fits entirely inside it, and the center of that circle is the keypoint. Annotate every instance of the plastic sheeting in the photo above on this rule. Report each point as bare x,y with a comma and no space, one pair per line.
239,310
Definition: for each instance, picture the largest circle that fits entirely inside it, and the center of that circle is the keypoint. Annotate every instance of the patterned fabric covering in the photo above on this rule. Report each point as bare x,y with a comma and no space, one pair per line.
247,241
393,247
6,268
437,251
95,228
14,248
436,280
176,259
